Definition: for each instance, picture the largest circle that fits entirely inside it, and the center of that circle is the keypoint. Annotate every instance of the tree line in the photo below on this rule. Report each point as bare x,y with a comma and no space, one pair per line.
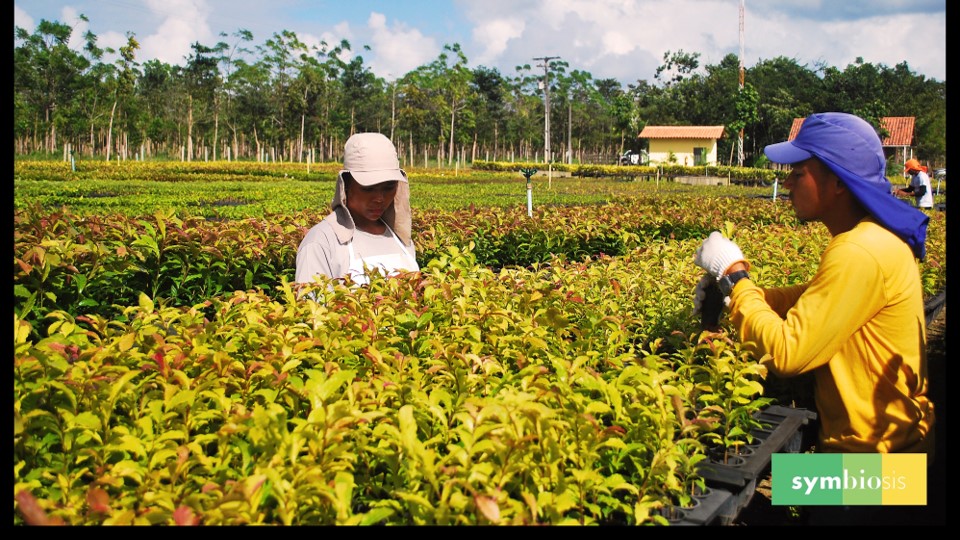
284,100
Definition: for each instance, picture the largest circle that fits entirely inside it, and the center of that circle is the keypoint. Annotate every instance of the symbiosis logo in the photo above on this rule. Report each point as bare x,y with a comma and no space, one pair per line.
849,479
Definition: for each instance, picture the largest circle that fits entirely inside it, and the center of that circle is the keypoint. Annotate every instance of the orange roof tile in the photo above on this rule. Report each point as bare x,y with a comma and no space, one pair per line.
900,129
795,128
681,132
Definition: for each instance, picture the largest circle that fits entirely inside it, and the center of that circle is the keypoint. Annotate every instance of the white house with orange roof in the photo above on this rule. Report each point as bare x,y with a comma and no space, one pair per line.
682,145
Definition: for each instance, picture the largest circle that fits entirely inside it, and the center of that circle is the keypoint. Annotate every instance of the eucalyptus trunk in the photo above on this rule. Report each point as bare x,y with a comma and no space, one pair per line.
190,128
453,117
216,125
303,120
113,112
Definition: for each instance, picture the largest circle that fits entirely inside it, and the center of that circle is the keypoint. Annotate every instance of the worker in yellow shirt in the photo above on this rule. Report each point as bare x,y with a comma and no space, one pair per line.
859,323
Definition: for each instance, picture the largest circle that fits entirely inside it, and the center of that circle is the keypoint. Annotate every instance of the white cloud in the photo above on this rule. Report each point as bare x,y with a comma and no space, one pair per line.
23,19
615,42
621,39
70,16
183,22
493,37
332,38
919,39
627,39
398,49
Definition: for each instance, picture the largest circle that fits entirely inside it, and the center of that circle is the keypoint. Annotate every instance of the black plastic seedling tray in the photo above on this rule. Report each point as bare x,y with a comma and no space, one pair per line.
709,509
781,432
732,485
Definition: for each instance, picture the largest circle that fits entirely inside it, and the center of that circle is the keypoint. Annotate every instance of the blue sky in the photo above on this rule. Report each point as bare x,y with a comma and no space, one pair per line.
619,39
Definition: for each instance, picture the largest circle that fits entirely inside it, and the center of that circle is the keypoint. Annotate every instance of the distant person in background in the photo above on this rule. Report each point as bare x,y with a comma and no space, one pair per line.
369,226
919,187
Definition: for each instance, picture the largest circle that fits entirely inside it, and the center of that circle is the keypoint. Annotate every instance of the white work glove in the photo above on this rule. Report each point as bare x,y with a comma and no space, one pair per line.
716,254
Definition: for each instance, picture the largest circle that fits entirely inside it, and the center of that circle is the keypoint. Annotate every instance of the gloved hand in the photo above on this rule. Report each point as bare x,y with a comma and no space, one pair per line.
716,254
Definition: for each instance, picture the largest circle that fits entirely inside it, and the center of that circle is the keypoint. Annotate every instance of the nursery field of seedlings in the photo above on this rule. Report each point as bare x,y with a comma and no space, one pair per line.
540,369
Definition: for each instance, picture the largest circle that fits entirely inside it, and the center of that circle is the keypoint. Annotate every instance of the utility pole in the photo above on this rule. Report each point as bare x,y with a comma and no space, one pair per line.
740,138
545,84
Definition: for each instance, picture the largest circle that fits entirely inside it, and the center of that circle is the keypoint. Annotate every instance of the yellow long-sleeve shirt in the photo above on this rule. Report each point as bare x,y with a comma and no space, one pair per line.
859,326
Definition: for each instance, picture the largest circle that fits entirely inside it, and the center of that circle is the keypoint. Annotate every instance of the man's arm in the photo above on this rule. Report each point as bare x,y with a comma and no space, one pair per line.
831,307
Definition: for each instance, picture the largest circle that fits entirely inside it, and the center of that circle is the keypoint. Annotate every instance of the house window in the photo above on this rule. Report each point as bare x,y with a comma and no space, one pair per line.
699,156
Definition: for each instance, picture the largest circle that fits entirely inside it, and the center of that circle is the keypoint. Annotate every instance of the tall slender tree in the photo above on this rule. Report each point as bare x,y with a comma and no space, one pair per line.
226,92
126,77
46,73
201,78
489,88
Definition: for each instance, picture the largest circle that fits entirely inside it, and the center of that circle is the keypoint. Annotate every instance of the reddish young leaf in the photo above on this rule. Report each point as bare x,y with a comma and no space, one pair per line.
31,511
183,515
98,500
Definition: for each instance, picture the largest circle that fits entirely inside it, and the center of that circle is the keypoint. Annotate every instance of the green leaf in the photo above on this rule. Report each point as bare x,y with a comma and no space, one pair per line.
171,435
161,456
422,504
81,282
597,408
343,485
27,306
20,291
87,420
408,431
131,444
129,469
269,394
148,242
181,397
748,388
332,385
536,342
290,364
376,515
67,393
146,304
118,386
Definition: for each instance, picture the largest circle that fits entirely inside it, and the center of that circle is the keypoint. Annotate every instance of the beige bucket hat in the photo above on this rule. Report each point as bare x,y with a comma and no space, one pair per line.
371,159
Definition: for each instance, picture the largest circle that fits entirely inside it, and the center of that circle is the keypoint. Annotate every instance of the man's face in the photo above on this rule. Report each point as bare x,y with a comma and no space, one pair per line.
811,185
368,203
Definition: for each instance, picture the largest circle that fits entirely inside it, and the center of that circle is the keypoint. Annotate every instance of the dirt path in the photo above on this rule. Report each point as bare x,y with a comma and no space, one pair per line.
759,512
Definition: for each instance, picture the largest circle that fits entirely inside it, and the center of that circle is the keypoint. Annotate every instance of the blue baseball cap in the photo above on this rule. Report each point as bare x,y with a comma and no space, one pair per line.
851,148
843,139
